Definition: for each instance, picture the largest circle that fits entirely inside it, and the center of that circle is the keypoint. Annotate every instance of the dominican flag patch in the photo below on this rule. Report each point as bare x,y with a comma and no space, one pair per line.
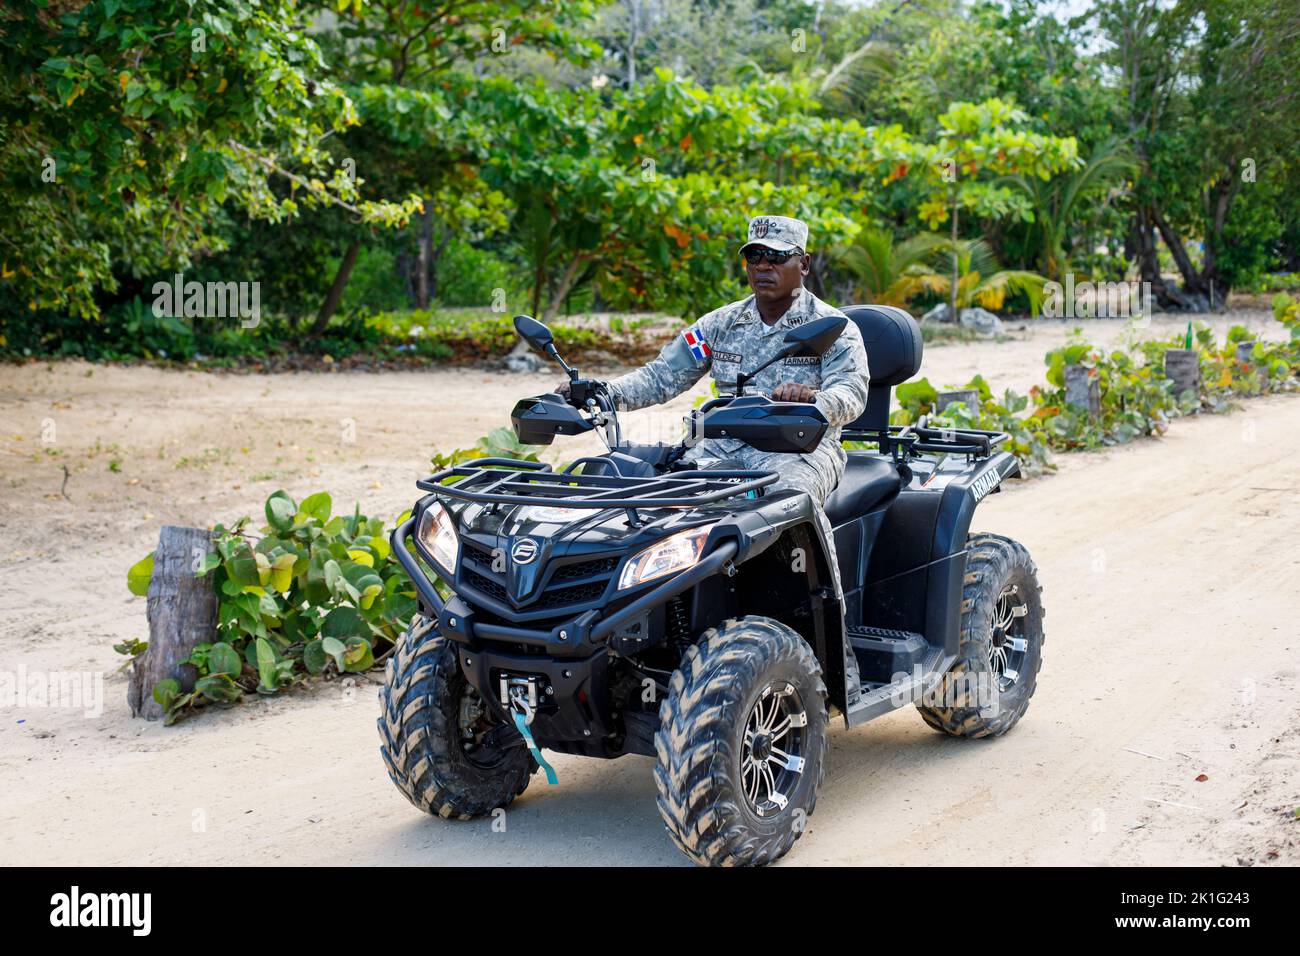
695,342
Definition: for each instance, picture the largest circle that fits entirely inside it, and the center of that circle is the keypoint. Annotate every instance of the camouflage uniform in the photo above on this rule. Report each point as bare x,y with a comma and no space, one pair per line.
734,339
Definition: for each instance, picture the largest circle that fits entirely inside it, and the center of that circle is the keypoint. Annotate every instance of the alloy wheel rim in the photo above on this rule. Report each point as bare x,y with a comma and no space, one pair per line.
1009,646
772,751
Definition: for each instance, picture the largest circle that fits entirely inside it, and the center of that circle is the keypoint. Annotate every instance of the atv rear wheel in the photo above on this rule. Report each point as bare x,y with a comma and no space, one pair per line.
741,744
442,750
987,690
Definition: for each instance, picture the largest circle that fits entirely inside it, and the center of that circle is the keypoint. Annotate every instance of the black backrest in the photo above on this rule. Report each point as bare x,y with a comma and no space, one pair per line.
893,342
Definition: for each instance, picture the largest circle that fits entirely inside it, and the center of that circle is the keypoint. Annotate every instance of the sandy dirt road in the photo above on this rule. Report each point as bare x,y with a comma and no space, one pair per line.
1171,578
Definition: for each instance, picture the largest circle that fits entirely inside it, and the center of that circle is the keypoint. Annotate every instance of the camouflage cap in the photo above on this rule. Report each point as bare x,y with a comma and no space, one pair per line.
777,232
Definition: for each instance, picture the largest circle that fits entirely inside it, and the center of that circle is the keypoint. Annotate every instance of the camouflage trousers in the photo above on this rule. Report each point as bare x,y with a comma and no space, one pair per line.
798,474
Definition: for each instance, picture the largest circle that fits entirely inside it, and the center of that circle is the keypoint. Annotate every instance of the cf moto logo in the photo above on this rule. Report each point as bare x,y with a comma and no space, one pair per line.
524,551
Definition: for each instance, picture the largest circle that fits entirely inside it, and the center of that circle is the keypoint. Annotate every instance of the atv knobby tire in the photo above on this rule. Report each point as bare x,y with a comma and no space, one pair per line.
701,742
421,738
995,565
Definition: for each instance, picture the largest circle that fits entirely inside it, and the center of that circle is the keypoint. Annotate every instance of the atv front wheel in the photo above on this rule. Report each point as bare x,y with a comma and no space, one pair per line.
987,690
741,744
442,750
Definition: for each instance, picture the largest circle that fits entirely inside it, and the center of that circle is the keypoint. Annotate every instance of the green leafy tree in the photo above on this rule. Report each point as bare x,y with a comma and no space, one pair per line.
649,189
878,265
980,279
407,66
964,168
131,117
1212,113
1056,202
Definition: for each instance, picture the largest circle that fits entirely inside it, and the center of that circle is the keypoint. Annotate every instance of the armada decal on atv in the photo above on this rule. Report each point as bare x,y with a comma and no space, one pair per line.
985,483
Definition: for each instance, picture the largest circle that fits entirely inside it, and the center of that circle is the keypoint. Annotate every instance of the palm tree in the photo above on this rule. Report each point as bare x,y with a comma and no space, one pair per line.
1054,201
981,280
878,265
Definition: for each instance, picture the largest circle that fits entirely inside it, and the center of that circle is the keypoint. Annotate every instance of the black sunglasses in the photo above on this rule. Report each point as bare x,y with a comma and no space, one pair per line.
756,254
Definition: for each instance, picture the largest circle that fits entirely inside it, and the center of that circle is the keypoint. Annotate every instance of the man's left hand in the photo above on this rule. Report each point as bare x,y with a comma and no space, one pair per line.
792,392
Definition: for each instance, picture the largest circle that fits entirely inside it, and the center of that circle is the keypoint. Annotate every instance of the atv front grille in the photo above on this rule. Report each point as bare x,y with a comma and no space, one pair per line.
563,597
486,585
584,569
568,584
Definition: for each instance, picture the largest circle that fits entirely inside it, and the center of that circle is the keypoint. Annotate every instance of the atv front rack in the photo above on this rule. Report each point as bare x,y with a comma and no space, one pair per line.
509,481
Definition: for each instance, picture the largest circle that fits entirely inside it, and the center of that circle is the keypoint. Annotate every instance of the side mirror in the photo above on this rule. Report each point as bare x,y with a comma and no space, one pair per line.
815,337
537,336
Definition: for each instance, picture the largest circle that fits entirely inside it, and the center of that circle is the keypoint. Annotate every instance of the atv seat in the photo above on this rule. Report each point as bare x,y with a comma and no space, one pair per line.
894,347
867,481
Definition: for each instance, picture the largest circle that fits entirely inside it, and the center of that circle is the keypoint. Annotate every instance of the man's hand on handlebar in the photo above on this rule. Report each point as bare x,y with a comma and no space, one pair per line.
562,389
792,392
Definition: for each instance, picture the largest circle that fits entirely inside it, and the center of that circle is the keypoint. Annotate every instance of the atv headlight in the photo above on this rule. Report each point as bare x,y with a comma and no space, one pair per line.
437,534
672,554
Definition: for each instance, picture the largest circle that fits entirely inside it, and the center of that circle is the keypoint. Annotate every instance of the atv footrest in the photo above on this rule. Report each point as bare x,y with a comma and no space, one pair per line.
883,654
877,699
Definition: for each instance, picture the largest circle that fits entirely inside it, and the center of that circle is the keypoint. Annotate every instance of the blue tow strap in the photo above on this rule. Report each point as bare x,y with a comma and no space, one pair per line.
534,749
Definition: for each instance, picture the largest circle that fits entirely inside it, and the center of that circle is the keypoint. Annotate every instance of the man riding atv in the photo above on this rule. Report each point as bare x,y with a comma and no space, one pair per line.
743,335
658,600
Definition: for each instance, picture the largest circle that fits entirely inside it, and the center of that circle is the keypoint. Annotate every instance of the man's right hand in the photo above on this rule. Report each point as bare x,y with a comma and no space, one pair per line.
562,389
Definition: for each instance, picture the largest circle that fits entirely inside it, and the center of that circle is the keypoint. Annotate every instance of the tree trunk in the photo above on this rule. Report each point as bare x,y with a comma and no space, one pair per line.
433,264
562,288
815,283
952,298
1143,243
182,612
335,294
422,262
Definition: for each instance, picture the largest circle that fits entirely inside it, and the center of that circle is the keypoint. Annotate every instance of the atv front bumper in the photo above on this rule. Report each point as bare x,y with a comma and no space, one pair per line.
579,636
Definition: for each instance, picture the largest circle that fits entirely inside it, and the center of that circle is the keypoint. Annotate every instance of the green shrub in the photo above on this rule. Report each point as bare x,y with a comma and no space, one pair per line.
374,285
468,276
1136,398
315,593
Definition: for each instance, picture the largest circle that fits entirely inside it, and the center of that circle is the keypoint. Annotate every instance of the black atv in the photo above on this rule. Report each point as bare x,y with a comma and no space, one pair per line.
636,603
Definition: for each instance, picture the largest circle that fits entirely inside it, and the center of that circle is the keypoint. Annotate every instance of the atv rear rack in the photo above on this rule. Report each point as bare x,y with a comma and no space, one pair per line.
509,481
905,441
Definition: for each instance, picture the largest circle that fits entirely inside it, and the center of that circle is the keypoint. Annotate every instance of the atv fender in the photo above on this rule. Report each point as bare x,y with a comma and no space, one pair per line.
796,583
918,560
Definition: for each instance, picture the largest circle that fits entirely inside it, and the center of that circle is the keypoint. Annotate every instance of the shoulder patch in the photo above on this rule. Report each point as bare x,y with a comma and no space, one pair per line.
694,339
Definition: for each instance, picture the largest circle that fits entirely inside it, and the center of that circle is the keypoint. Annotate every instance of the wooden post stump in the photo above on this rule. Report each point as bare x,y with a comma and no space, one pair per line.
182,612
1083,389
1245,354
1183,368
969,396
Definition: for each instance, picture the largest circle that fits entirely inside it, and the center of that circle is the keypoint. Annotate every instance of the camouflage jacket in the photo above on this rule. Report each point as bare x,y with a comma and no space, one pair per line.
733,339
